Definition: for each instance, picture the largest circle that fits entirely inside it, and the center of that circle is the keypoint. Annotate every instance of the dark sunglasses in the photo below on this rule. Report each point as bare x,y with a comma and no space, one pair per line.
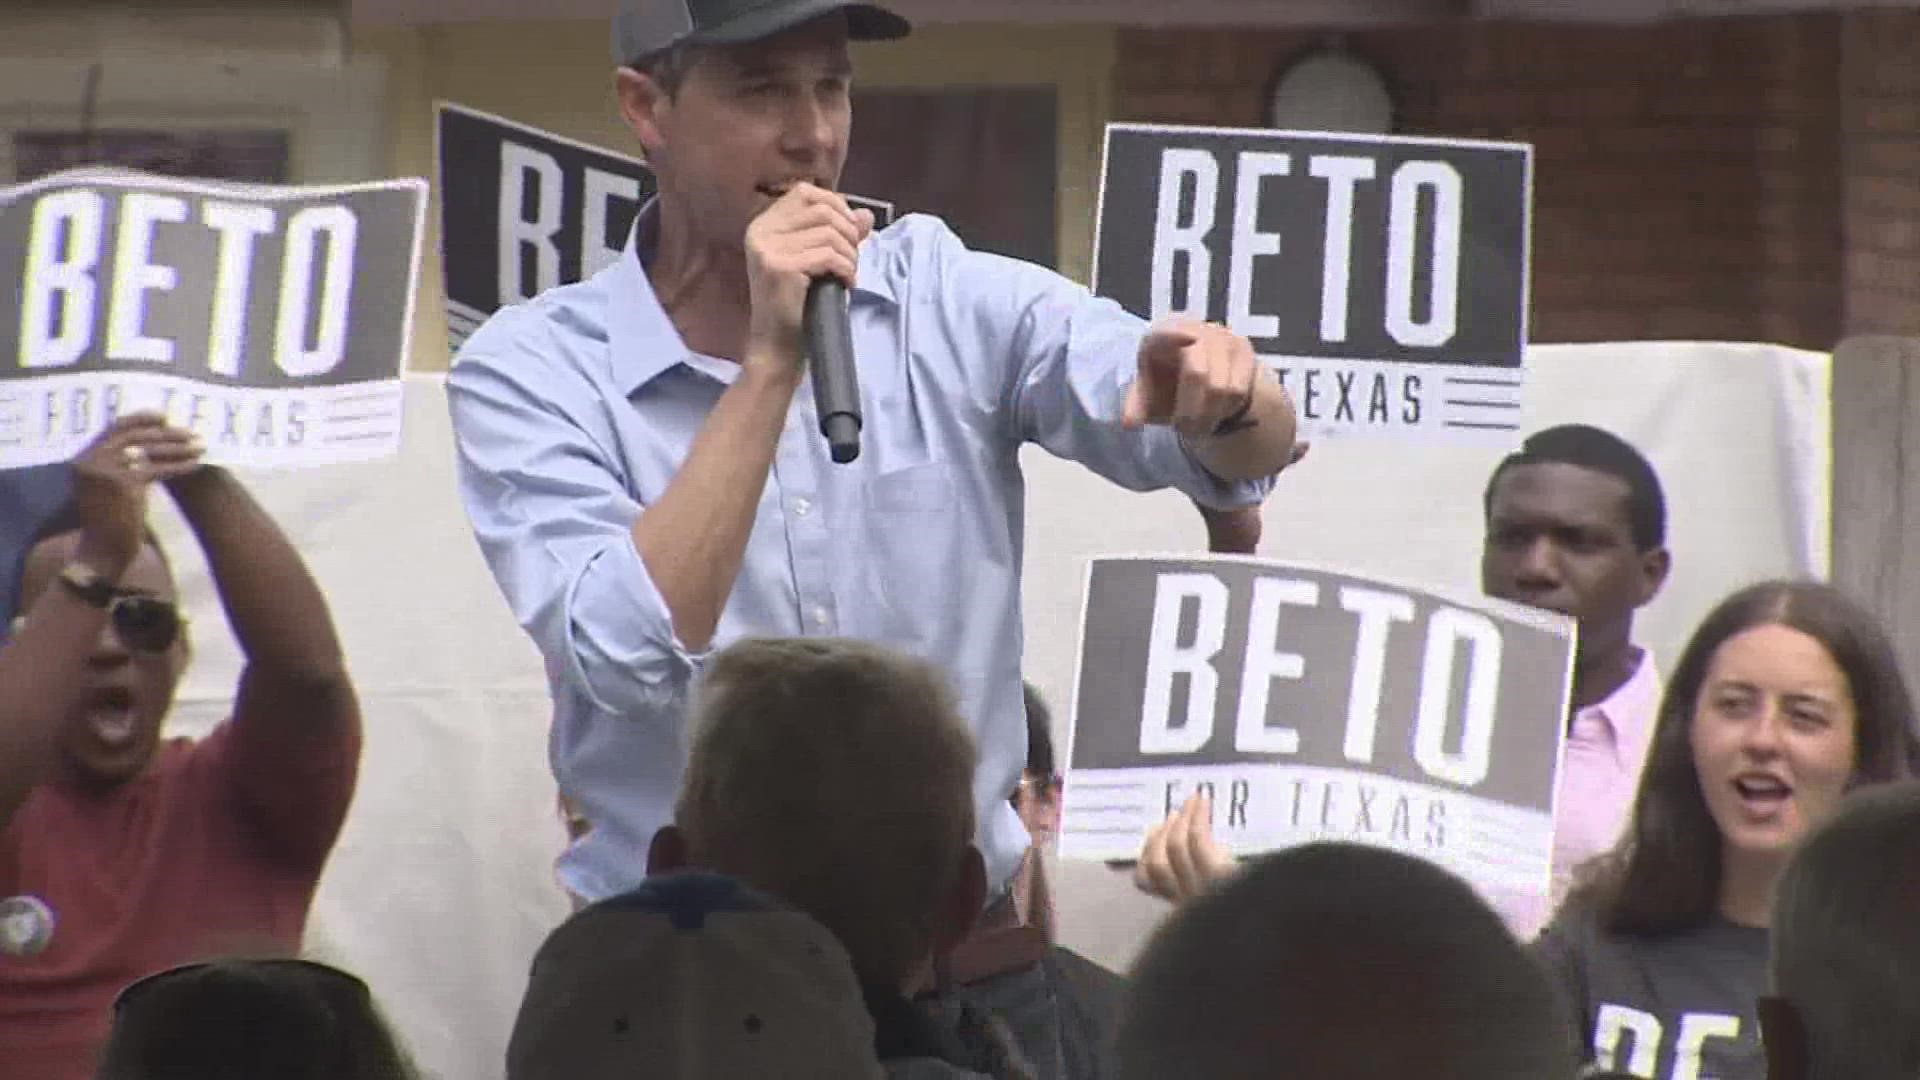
339,986
142,623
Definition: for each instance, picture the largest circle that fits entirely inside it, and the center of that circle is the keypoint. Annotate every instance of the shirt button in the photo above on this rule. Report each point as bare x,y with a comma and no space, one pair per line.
802,507
820,617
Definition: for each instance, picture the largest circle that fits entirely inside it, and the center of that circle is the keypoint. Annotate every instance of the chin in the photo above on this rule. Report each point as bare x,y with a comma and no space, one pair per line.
104,770
1764,845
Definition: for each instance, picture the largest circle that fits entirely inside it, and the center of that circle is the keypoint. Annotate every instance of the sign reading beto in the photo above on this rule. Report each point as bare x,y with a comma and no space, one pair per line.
1317,706
1383,278
524,210
273,321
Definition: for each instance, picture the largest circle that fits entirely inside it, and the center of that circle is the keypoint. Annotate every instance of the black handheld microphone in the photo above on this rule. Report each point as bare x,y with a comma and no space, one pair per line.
836,387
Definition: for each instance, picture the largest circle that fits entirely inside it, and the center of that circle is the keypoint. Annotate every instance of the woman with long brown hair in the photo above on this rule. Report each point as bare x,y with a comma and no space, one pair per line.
1788,696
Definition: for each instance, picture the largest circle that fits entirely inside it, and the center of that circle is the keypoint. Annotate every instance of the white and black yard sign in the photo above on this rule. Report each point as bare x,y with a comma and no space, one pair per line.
1383,278
273,321
524,210
1317,706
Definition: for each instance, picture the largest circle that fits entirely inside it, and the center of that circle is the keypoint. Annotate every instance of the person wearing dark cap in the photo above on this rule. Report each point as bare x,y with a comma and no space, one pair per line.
638,452
696,977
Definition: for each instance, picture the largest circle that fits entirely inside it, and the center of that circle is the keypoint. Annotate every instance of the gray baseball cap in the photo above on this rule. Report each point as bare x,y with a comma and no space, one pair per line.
642,27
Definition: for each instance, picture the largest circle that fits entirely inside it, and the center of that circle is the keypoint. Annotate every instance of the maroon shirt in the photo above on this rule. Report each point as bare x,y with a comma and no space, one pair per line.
216,849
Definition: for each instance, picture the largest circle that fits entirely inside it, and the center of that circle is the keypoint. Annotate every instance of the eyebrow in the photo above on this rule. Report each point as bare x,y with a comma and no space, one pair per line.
763,69
1549,523
1797,696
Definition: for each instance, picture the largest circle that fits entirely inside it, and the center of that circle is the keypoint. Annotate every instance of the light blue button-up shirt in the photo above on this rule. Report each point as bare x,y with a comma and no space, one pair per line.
573,412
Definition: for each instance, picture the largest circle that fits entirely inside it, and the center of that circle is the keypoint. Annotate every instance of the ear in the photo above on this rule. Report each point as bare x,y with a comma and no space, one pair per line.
1784,1037
644,104
965,903
669,852
1654,567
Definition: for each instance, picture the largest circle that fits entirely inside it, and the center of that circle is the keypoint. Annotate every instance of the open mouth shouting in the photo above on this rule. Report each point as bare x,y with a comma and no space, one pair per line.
1763,796
110,717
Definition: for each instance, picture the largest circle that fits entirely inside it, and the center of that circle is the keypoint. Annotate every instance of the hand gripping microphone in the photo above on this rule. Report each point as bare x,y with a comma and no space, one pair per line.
836,387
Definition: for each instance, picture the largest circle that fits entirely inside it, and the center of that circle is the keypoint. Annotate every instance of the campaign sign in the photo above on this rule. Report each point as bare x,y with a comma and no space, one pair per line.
523,210
1316,705
1383,278
271,320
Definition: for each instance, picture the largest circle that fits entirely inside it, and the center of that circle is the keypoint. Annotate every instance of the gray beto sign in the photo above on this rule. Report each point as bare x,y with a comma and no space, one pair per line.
272,321
1206,662
241,285
1384,278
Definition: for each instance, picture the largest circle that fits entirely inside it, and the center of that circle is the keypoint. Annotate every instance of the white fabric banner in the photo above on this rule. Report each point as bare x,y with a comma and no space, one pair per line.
442,886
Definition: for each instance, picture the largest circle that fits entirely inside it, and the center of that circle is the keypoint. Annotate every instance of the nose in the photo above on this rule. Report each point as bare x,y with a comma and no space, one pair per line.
1538,566
809,127
1761,738
108,650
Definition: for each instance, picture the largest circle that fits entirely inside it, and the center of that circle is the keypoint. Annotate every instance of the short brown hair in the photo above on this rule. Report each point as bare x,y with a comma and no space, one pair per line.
836,775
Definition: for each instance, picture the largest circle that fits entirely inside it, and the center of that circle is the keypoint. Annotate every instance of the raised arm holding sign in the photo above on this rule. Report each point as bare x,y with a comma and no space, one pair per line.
211,846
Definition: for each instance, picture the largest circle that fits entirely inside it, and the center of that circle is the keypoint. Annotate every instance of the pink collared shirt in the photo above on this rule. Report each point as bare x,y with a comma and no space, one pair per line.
1600,772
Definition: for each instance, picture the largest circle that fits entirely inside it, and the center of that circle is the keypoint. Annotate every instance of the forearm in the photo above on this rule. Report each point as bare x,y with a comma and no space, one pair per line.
1258,450
278,613
42,681
693,539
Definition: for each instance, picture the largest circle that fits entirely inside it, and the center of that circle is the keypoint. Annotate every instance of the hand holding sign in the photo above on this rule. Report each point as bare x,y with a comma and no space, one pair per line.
111,478
1192,376
1180,858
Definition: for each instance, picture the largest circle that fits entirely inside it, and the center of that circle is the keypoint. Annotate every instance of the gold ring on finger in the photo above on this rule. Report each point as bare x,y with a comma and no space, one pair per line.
135,457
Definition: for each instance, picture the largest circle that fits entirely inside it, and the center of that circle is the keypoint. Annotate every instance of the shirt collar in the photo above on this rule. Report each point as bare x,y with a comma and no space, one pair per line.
642,337
1631,710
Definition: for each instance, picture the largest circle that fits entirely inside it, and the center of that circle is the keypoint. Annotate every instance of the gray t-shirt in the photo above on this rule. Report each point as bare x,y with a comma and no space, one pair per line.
1673,1007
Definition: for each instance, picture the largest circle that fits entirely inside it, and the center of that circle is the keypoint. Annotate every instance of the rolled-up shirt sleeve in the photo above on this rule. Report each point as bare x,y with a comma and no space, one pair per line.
1070,357
553,513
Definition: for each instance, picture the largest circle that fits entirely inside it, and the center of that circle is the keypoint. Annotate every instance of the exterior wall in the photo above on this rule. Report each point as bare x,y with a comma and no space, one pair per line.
1880,120
1750,179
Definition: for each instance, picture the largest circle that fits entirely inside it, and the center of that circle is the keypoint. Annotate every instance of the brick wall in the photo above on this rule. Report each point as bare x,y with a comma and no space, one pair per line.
1690,181
1880,119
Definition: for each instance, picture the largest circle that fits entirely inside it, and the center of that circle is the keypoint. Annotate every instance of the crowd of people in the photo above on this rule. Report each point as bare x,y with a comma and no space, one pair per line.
808,791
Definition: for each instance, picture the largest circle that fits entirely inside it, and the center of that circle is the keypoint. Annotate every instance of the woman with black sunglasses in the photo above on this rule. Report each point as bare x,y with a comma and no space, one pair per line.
123,853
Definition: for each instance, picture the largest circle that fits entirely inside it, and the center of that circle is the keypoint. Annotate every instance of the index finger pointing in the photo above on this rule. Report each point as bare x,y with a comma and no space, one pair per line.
1167,339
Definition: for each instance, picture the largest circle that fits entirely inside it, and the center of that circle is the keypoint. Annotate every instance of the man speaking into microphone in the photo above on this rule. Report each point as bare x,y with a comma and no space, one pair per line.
640,453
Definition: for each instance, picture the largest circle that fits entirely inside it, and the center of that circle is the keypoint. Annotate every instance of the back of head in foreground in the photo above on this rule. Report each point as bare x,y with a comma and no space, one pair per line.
693,977
246,1019
836,776
1846,945
1340,962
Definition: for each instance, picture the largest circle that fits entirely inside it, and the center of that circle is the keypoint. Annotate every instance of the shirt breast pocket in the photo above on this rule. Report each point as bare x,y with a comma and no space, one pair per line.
915,489
911,546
